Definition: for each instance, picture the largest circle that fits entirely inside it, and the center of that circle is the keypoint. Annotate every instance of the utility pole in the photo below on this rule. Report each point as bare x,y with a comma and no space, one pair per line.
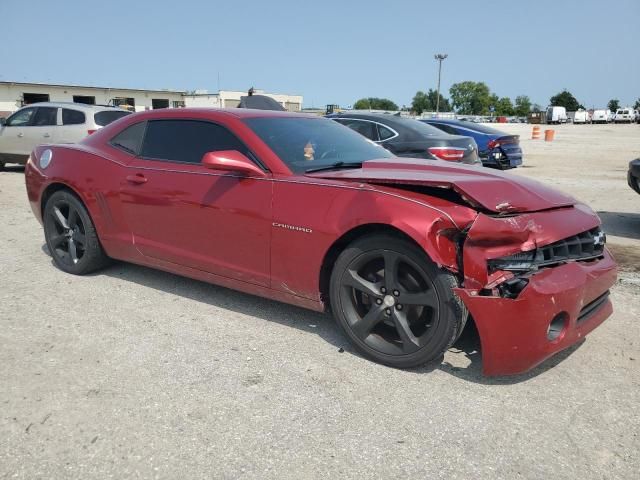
439,57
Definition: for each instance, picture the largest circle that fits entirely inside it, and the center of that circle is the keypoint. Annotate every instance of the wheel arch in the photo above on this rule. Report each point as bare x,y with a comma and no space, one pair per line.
350,236
56,187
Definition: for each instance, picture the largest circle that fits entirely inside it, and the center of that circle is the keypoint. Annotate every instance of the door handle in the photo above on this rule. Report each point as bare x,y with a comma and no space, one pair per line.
138,179
46,135
21,135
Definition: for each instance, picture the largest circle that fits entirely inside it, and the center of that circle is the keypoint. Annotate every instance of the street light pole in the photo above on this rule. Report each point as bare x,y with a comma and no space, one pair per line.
439,57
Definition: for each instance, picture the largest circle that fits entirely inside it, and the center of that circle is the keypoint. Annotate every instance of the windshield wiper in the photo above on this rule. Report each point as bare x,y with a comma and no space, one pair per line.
335,166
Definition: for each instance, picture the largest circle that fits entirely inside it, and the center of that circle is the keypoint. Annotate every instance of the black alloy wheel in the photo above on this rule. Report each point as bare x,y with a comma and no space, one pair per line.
394,303
71,236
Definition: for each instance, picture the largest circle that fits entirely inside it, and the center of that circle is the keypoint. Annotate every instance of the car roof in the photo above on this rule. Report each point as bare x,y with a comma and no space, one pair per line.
77,106
453,121
386,118
366,115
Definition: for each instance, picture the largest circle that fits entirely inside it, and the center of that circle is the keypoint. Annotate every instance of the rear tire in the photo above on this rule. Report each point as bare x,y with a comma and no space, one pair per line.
393,303
71,235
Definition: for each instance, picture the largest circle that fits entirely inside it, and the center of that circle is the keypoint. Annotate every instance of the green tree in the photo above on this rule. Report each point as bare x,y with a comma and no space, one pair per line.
536,107
636,105
504,107
613,104
493,102
374,103
523,106
426,102
470,98
565,99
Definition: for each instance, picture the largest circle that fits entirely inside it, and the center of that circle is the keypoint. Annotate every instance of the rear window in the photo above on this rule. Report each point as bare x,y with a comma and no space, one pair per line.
420,127
72,117
130,139
476,127
368,129
108,116
445,128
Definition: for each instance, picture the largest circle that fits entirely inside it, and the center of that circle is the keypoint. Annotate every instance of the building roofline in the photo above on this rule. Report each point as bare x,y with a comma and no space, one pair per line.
40,84
242,92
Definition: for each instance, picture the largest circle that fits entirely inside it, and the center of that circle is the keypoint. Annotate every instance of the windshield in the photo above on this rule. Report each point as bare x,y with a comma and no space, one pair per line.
310,143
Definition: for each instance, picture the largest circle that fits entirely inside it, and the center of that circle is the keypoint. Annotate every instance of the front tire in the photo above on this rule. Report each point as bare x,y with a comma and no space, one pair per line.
393,303
71,235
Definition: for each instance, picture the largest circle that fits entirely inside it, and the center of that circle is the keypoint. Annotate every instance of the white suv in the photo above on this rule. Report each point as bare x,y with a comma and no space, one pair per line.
50,122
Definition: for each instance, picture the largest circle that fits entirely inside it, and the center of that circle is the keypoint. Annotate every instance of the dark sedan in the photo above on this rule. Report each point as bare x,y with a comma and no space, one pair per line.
634,174
496,148
409,138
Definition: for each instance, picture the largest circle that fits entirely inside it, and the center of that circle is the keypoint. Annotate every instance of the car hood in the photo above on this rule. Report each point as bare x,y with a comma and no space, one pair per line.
490,189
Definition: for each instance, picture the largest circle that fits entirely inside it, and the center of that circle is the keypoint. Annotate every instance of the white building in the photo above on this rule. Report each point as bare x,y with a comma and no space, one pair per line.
14,95
231,99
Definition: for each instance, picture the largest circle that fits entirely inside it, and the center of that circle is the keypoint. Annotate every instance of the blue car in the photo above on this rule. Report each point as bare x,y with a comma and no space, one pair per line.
496,149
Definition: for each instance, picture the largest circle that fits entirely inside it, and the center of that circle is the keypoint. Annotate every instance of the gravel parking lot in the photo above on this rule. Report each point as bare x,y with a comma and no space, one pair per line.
134,373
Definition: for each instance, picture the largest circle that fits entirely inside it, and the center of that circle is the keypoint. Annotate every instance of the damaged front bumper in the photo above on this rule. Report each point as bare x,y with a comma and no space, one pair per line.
557,306
514,333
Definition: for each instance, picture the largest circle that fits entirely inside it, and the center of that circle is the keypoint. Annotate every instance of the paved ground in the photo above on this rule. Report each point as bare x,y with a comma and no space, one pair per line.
132,373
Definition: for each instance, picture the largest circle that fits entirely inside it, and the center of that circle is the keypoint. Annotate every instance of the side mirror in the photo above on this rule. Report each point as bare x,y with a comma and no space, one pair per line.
3,121
232,161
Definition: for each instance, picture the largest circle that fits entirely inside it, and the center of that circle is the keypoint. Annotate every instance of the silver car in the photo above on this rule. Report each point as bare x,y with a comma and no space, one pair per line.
50,122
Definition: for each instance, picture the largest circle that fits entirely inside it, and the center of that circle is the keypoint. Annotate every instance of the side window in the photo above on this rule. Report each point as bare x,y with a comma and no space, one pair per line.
45,116
21,117
385,133
368,129
187,140
72,117
130,139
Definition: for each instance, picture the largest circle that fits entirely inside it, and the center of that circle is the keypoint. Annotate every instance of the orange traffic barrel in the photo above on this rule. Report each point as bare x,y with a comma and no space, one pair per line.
535,134
548,135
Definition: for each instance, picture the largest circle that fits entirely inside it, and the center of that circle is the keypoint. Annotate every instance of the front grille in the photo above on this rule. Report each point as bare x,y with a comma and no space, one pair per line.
583,246
592,307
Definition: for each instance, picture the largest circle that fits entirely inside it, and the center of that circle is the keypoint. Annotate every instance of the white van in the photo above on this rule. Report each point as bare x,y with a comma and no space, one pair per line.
581,116
600,116
624,115
556,115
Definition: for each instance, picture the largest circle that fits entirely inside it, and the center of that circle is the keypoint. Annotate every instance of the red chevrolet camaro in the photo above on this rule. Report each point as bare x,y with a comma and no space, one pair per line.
303,210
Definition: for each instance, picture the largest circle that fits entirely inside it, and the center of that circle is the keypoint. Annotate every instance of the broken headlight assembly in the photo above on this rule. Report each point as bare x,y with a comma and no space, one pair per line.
518,262
582,247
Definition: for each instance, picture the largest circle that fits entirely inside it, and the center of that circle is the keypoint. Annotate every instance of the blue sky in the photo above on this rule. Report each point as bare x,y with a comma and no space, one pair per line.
329,51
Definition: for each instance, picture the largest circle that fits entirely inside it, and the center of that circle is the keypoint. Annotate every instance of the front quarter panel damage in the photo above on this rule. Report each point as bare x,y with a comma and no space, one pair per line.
497,236
513,331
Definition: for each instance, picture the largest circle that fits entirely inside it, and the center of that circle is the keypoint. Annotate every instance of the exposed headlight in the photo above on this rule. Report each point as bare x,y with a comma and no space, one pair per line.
518,262
45,158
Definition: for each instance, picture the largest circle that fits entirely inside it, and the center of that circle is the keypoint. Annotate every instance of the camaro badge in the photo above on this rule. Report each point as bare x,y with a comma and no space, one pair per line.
292,227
